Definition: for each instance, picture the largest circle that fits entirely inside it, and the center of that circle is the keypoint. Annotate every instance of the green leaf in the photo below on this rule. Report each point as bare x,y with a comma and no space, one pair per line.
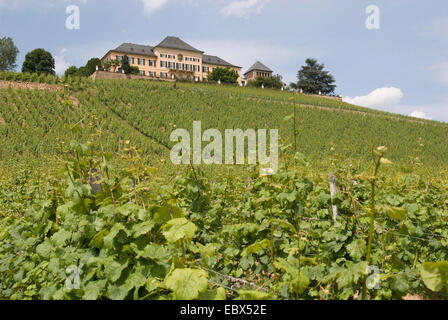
344,278
216,294
168,212
254,295
357,249
97,240
45,249
179,229
61,237
285,224
128,209
287,196
135,280
299,283
434,274
394,213
113,269
154,252
400,284
187,284
109,239
258,246
142,228
117,292
93,289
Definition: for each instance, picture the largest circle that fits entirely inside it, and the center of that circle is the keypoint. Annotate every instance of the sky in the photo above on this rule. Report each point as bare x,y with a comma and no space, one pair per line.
393,57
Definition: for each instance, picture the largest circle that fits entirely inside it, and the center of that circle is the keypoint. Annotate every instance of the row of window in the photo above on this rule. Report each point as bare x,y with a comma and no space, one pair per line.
263,74
168,56
168,64
192,59
180,66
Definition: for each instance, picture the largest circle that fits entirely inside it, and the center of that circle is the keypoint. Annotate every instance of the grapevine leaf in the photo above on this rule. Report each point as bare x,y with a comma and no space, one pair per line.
109,239
357,249
187,284
434,274
258,246
93,290
254,295
179,229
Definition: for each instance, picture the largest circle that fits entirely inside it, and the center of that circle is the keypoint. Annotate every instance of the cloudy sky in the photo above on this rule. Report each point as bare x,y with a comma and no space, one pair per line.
401,67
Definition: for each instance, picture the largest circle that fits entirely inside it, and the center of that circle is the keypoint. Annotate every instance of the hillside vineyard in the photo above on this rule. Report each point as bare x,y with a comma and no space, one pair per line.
92,207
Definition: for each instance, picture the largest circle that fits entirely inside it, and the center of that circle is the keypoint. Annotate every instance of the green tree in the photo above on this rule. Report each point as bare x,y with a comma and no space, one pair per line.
8,54
314,79
125,65
226,75
92,64
114,64
39,61
71,71
83,72
271,82
135,70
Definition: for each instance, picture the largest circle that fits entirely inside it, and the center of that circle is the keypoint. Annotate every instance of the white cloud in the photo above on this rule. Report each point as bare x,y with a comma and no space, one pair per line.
60,64
244,8
151,6
419,114
381,97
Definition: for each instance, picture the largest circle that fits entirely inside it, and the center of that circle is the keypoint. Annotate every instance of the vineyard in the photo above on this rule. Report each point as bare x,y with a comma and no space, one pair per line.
91,208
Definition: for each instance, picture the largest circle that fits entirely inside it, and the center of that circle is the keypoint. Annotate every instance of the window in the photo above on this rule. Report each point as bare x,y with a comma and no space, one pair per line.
142,72
152,63
179,66
119,58
196,68
205,69
151,74
171,65
141,62
163,74
163,64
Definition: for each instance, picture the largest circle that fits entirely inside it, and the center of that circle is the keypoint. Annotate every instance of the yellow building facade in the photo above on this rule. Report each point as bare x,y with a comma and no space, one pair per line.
171,59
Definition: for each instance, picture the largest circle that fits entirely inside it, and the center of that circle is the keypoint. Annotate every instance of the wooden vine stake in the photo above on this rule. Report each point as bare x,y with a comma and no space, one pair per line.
334,189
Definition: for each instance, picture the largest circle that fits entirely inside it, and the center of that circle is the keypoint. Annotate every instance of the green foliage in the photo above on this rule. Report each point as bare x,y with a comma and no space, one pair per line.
39,61
71,72
98,211
135,70
83,72
8,54
435,275
225,75
125,65
92,64
274,82
314,79
187,284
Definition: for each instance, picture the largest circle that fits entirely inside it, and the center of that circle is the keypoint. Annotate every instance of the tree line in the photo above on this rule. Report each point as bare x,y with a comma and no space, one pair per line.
312,77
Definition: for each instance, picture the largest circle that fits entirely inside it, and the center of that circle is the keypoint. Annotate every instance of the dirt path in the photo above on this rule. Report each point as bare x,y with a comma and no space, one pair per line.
30,85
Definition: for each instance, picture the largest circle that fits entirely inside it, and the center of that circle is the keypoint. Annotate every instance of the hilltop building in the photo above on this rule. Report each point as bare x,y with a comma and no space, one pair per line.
172,58
257,70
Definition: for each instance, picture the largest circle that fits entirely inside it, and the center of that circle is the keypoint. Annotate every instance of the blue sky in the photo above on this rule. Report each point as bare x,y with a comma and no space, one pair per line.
402,67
